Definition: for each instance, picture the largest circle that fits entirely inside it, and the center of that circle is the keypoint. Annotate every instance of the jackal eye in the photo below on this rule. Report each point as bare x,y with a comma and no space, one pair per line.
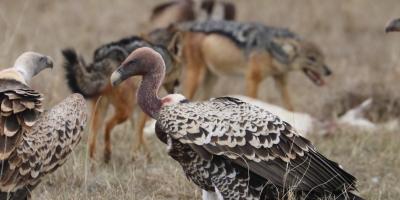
312,58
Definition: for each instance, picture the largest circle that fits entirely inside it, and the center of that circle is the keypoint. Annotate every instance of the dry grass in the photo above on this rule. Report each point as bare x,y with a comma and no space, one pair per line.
350,32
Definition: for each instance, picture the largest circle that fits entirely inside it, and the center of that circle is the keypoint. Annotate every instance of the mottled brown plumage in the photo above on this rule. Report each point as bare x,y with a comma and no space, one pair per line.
20,108
33,142
232,148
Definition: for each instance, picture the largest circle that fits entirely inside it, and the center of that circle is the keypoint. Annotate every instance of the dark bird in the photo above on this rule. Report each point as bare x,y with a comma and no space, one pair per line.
232,149
33,142
393,26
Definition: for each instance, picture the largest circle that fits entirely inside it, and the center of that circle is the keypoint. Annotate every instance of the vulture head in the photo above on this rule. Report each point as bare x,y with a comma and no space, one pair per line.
393,26
141,62
30,64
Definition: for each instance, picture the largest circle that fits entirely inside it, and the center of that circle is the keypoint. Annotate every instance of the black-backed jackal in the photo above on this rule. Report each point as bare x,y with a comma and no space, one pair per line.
92,81
176,11
252,50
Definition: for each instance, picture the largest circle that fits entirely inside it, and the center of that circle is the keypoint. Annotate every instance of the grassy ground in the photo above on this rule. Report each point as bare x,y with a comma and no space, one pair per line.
350,33
372,158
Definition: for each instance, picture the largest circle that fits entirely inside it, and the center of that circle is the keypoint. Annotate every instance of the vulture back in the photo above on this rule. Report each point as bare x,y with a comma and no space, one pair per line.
20,108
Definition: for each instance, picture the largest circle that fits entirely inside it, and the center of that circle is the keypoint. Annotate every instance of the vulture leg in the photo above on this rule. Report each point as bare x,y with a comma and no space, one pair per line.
21,194
207,195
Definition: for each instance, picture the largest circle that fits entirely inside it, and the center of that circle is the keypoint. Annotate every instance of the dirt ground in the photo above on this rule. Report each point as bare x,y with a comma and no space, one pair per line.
350,33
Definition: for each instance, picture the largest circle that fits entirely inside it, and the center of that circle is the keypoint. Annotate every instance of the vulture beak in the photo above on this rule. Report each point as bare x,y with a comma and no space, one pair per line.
49,62
123,72
116,77
136,64
393,26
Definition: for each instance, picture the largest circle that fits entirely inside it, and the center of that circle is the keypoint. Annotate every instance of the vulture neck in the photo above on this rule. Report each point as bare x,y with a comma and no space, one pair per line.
147,94
26,72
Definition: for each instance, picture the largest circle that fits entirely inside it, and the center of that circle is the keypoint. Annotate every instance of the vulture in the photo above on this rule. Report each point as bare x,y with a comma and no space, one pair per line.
393,26
33,142
232,149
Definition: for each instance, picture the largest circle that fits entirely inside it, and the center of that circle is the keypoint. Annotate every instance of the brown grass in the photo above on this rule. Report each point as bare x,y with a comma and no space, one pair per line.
350,32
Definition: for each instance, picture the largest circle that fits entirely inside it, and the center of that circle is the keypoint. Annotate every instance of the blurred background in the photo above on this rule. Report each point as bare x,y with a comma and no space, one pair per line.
350,33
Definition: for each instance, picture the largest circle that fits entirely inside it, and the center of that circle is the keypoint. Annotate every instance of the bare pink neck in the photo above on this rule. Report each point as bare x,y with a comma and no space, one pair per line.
147,95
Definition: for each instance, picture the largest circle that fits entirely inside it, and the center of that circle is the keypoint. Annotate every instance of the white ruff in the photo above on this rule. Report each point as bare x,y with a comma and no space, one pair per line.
13,74
172,99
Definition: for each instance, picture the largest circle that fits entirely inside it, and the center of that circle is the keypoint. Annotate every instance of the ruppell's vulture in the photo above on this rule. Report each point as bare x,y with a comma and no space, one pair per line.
232,149
33,142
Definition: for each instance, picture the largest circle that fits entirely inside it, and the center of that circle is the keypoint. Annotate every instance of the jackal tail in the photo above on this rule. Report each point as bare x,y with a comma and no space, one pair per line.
82,78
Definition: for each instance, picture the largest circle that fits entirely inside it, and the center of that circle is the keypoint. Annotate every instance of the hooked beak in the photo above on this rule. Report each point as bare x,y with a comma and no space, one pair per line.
130,67
49,62
393,26
116,77
123,72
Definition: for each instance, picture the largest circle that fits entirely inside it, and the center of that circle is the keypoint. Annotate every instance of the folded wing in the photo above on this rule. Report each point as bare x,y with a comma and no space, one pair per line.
256,140
45,146
20,108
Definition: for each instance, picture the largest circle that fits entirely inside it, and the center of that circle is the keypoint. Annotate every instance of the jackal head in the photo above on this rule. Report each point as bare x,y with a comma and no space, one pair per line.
170,39
306,56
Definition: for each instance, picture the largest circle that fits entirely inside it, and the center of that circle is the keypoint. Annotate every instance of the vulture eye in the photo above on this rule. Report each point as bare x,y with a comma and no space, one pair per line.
43,59
312,58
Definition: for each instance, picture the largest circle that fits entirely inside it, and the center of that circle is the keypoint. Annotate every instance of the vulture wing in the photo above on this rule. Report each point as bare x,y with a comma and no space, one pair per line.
45,146
254,139
20,108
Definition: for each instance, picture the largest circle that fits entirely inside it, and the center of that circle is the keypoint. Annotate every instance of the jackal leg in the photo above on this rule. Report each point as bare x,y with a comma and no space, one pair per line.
281,82
171,87
255,74
209,82
139,139
99,111
192,81
195,66
120,116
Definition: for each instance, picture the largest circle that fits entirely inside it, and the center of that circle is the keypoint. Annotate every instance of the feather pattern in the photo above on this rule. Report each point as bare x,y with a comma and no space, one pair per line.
42,141
248,138
19,110
216,172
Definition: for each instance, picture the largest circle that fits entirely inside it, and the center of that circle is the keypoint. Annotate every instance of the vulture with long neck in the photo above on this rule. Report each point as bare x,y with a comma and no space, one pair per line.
232,149
33,142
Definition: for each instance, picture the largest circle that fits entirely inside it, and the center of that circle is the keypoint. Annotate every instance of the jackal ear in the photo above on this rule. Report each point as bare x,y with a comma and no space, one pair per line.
144,36
175,45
